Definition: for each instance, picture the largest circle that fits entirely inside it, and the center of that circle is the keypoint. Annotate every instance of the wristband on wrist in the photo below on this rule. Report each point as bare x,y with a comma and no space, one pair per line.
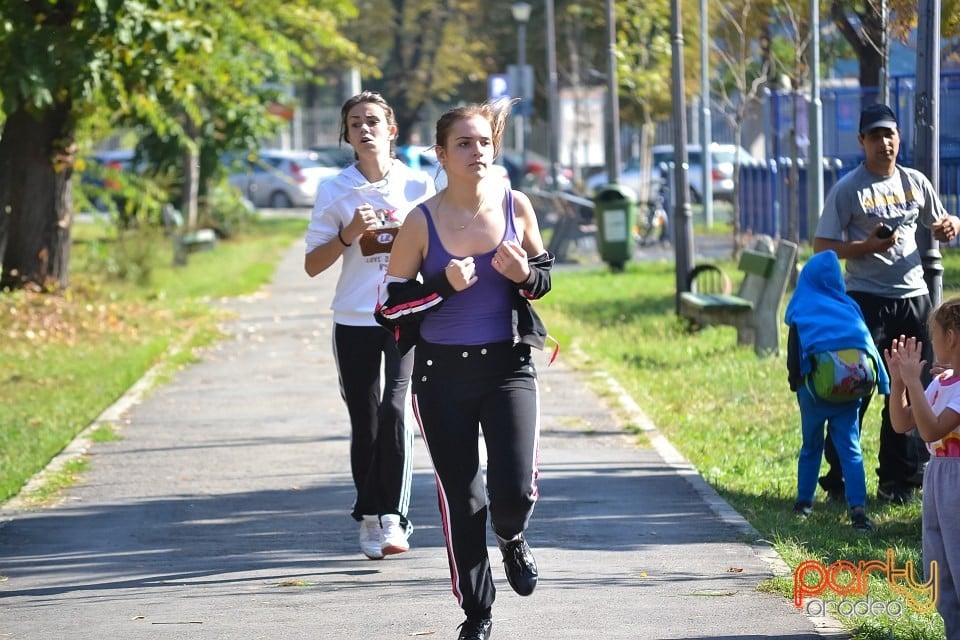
340,238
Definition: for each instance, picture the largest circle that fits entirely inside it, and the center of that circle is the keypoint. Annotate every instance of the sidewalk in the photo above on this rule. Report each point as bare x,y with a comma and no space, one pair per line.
706,248
222,513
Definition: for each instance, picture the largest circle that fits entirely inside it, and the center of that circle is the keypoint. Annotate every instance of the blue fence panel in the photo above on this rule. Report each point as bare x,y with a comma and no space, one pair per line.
841,116
765,190
765,193
950,184
754,197
765,196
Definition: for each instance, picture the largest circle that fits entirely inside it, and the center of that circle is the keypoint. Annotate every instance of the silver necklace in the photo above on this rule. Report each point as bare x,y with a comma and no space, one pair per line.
461,227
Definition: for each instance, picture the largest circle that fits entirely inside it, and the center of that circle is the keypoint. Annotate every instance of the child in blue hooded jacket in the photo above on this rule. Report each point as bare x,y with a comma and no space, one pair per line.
822,317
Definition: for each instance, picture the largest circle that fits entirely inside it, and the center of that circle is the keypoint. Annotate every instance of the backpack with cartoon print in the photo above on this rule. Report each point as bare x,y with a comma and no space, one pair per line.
843,375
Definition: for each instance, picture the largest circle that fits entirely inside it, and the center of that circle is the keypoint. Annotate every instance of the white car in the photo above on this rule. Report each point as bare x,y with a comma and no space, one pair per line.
639,182
722,157
280,179
429,164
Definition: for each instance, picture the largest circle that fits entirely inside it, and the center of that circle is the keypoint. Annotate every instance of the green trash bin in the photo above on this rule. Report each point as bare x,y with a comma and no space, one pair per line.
615,211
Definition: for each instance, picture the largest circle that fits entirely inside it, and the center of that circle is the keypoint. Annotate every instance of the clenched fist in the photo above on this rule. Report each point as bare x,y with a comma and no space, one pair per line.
461,273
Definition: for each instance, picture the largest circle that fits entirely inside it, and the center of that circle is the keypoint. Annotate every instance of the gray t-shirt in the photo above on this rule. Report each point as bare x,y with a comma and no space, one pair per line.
858,203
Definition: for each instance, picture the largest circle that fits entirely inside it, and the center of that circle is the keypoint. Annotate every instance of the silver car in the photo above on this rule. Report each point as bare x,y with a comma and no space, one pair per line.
280,179
722,157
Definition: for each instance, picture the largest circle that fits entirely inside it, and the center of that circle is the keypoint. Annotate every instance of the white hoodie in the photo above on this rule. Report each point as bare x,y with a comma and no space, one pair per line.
365,261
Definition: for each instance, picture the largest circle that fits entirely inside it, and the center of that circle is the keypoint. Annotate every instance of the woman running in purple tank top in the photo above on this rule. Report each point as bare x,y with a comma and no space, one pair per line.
480,257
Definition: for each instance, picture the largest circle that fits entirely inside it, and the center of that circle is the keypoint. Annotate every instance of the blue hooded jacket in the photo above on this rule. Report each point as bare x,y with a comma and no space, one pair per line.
824,318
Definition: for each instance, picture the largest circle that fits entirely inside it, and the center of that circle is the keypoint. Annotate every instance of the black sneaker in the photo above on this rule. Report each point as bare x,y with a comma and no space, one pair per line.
916,480
894,493
475,629
835,493
802,509
860,521
520,566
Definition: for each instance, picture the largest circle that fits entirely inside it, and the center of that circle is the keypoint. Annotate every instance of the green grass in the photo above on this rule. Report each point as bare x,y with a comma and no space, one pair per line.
733,416
65,358
105,432
57,481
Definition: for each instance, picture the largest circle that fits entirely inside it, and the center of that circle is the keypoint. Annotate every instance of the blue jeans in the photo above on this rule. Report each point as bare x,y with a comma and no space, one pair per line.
843,423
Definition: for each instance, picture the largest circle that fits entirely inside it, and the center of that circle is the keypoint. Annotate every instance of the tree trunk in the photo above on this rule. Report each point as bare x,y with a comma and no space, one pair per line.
36,163
871,69
191,179
864,35
793,198
871,56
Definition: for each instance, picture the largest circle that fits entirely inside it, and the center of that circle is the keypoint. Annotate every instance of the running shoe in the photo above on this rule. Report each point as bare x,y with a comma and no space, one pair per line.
394,536
475,629
371,537
519,565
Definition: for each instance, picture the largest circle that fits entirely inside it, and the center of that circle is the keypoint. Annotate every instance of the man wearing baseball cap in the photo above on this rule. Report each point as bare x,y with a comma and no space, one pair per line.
870,219
877,116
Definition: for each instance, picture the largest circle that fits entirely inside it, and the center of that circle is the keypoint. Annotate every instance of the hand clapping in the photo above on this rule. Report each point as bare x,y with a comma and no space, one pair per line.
904,358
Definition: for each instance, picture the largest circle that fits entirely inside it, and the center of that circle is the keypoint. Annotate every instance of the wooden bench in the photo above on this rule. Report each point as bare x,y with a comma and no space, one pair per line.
186,242
755,309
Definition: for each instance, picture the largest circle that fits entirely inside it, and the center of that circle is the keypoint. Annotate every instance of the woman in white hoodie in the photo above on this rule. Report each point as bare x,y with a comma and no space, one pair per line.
356,215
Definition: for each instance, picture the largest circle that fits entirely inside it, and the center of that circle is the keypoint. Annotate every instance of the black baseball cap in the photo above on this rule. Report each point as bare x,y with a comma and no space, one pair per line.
877,116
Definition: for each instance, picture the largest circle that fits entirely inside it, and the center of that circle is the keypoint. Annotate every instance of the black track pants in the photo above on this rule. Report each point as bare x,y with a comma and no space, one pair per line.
457,391
381,445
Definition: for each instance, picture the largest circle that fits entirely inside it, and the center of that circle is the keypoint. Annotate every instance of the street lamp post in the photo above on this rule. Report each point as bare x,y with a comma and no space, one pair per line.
815,126
521,14
613,98
682,215
552,98
927,129
706,130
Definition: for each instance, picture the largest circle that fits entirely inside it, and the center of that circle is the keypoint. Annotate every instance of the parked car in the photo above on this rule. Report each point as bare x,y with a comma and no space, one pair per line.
103,168
428,163
279,179
335,155
640,182
116,160
722,158
107,180
537,172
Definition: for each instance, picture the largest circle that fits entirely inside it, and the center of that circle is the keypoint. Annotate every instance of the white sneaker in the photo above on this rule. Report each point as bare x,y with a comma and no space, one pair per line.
371,537
394,535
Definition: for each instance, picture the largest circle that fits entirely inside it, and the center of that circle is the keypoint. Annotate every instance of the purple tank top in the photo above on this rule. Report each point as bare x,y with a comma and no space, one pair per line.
480,314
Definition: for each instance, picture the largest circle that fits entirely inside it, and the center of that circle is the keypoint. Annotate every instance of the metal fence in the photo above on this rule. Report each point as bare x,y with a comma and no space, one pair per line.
765,194
765,190
841,114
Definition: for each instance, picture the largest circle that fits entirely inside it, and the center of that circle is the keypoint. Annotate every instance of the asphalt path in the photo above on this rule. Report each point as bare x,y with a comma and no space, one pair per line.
223,512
